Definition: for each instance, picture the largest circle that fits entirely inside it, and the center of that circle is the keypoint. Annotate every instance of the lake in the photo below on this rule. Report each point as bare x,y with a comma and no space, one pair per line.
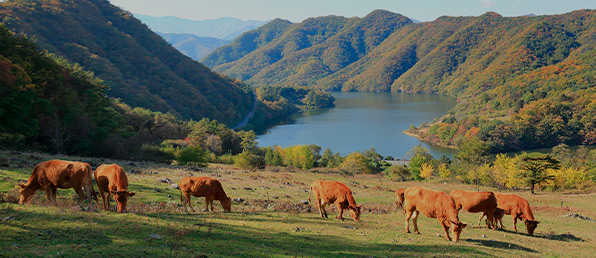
361,120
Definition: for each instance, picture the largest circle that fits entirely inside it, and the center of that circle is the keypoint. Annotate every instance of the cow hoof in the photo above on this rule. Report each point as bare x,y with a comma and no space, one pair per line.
408,232
417,232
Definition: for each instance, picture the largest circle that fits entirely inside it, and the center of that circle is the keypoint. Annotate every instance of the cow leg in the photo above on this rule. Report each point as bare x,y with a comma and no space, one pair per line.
49,194
319,205
341,212
446,230
103,199
415,221
211,203
206,204
54,192
515,222
501,222
408,216
80,193
187,195
480,219
108,200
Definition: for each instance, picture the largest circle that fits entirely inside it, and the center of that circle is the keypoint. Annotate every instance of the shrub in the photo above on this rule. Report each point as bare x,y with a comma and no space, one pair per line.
398,173
249,160
191,155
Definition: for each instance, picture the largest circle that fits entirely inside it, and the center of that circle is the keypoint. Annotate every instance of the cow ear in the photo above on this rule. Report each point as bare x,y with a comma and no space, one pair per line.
131,194
463,224
70,166
23,186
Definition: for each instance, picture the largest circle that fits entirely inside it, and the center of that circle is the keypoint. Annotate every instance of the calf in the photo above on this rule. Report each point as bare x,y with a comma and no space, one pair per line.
53,174
517,207
208,187
432,204
333,192
473,202
111,179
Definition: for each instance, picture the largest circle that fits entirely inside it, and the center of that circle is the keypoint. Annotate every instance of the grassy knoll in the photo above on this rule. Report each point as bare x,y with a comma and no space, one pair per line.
270,221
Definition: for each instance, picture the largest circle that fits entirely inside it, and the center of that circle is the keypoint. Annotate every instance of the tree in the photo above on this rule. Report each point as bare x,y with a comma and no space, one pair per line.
249,140
194,155
356,163
416,165
326,158
249,160
443,171
533,168
471,155
426,170
398,173
269,156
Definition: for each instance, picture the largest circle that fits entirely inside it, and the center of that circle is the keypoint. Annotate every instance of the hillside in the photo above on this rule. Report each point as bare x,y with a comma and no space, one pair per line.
193,46
140,67
226,28
499,68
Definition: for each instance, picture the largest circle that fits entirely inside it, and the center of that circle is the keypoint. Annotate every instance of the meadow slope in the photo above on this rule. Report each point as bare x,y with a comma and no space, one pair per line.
270,220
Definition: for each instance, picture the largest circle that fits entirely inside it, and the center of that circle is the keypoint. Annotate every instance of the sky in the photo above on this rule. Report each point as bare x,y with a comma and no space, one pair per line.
298,10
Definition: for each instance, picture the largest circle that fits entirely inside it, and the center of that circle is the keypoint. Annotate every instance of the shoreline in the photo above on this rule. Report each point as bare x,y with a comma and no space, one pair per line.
435,144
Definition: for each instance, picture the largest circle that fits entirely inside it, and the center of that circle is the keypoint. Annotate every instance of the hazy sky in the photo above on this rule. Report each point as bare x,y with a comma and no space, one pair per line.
298,10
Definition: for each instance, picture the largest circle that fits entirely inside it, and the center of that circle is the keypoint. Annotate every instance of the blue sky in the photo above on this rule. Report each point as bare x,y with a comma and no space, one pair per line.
298,10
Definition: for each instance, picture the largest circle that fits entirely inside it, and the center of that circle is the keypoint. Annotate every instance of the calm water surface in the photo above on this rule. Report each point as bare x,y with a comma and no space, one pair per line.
361,120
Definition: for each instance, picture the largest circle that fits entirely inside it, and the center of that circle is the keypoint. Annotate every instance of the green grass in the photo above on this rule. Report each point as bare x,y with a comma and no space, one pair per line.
280,227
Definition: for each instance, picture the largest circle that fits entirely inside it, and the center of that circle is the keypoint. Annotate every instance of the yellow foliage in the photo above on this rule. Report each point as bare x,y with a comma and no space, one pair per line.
569,178
505,172
426,170
444,172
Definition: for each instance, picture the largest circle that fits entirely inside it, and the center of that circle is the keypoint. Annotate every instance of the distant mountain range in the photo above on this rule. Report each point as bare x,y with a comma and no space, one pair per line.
193,46
496,66
226,28
139,66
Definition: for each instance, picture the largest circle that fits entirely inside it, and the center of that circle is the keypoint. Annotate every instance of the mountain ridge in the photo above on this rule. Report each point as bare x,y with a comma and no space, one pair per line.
139,66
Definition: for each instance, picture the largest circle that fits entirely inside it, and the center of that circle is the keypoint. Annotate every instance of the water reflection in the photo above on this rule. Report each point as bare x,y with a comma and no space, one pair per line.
361,120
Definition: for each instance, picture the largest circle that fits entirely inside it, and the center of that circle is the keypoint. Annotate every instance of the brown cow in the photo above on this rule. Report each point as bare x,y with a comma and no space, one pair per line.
517,207
111,179
473,202
53,174
208,187
432,204
333,192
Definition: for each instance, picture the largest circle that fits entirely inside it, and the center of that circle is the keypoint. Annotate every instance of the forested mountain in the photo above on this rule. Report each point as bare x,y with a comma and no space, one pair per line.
508,73
193,46
226,28
139,66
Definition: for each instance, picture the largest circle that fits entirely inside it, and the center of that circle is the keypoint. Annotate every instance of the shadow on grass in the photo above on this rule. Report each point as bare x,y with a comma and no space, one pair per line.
501,245
566,237
42,231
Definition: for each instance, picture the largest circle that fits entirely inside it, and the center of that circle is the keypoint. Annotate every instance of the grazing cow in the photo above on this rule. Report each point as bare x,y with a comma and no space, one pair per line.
432,204
333,192
473,202
399,197
53,174
208,187
517,207
111,179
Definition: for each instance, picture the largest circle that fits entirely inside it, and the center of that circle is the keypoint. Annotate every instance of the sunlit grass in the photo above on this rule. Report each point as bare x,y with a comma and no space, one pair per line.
272,221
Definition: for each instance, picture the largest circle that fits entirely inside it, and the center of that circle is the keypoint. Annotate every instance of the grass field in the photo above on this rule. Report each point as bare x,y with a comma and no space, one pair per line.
270,220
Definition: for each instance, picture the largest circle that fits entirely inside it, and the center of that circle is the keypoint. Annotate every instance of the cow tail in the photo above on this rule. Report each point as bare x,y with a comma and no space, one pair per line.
90,184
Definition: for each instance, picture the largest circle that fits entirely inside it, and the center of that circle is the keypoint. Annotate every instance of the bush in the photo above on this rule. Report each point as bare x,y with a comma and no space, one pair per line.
398,173
249,160
150,152
191,155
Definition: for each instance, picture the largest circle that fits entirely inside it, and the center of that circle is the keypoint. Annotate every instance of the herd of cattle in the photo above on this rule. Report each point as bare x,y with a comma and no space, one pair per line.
112,180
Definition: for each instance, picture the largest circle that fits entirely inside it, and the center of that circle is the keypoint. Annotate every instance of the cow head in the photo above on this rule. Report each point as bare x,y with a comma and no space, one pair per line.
456,228
121,198
227,204
25,193
355,212
531,226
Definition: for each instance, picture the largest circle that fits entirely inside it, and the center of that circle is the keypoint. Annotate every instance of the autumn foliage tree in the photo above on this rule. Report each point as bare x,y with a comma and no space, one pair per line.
533,168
